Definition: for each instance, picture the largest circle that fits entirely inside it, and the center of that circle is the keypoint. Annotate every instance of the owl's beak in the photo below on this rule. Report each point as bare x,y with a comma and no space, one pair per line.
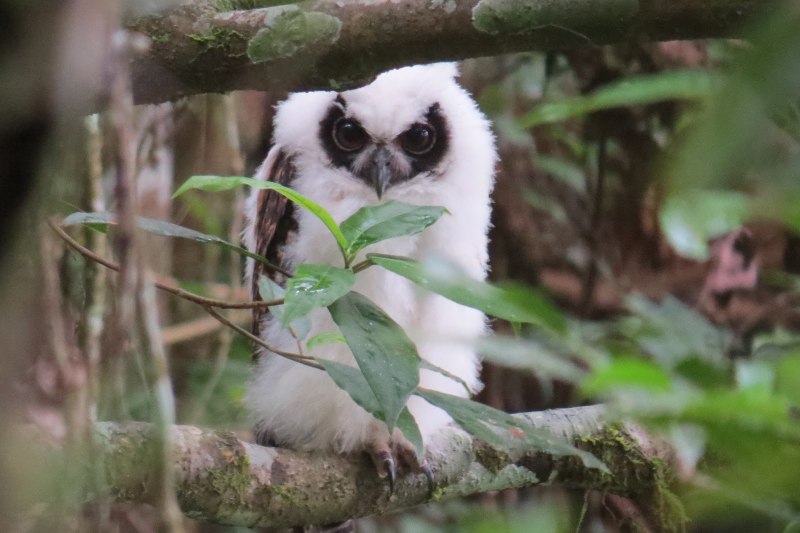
380,169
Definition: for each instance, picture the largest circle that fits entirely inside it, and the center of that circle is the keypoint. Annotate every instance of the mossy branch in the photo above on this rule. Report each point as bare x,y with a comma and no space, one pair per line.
218,45
223,479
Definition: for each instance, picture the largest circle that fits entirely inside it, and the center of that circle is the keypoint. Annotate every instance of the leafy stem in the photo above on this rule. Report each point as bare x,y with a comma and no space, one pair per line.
208,304
222,183
181,293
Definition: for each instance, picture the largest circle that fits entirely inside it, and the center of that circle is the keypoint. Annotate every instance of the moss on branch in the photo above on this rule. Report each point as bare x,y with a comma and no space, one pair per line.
225,480
224,45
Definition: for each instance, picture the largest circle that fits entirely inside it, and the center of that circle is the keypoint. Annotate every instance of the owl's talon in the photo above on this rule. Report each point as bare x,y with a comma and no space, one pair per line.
426,470
391,472
395,456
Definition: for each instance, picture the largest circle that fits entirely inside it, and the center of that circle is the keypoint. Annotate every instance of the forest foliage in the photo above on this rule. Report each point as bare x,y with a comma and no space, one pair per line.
722,390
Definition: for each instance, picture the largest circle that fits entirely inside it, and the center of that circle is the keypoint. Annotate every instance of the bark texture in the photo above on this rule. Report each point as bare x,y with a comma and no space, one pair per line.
223,479
211,46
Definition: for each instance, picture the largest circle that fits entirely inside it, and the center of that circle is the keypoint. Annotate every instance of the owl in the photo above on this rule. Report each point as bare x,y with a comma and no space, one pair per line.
412,135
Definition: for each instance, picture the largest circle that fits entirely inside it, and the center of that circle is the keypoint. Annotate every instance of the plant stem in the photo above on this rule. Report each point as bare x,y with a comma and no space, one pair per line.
181,293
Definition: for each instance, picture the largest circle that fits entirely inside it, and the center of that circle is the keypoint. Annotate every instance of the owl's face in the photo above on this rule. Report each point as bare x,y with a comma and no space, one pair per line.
382,160
408,125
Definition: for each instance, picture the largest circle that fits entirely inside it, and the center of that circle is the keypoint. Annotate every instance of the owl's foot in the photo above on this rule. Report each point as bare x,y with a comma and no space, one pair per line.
396,455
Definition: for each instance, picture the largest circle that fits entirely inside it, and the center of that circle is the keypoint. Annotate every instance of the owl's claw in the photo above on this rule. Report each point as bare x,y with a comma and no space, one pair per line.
390,466
397,456
384,460
426,470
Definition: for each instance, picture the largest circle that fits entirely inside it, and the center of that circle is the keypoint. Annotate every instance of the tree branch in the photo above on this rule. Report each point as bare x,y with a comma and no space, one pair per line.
223,479
199,47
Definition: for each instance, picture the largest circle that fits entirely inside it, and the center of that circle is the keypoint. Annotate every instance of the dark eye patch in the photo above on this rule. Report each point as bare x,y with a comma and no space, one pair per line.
424,143
430,147
341,137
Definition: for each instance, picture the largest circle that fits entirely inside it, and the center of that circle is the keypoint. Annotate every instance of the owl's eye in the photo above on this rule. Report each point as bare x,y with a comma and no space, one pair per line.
348,135
418,139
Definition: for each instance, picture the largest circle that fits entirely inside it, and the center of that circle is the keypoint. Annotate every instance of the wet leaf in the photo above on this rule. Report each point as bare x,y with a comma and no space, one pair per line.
314,286
269,290
393,219
384,353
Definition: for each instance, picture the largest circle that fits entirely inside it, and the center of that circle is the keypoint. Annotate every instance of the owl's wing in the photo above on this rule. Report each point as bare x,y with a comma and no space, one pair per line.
272,225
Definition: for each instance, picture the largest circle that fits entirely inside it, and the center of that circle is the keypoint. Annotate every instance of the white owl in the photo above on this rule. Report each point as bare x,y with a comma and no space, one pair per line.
412,135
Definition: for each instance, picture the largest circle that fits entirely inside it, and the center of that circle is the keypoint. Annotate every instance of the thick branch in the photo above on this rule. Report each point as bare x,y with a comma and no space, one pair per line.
223,479
200,48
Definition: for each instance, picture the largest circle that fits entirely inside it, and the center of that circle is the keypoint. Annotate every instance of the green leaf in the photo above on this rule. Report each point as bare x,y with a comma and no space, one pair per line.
692,217
224,183
269,290
99,228
754,374
314,286
627,372
530,355
511,302
638,90
373,224
352,381
326,337
502,430
384,353
565,171
408,426
751,409
735,134
787,376
672,332
703,373
162,228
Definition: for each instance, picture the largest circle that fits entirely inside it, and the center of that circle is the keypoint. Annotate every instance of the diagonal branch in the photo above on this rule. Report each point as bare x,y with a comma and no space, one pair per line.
223,479
198,47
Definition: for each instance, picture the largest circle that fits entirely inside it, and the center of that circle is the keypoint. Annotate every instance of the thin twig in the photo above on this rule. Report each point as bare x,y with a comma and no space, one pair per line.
302,359
186,295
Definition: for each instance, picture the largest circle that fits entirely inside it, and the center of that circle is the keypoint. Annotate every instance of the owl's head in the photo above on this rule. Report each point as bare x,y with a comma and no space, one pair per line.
409,124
